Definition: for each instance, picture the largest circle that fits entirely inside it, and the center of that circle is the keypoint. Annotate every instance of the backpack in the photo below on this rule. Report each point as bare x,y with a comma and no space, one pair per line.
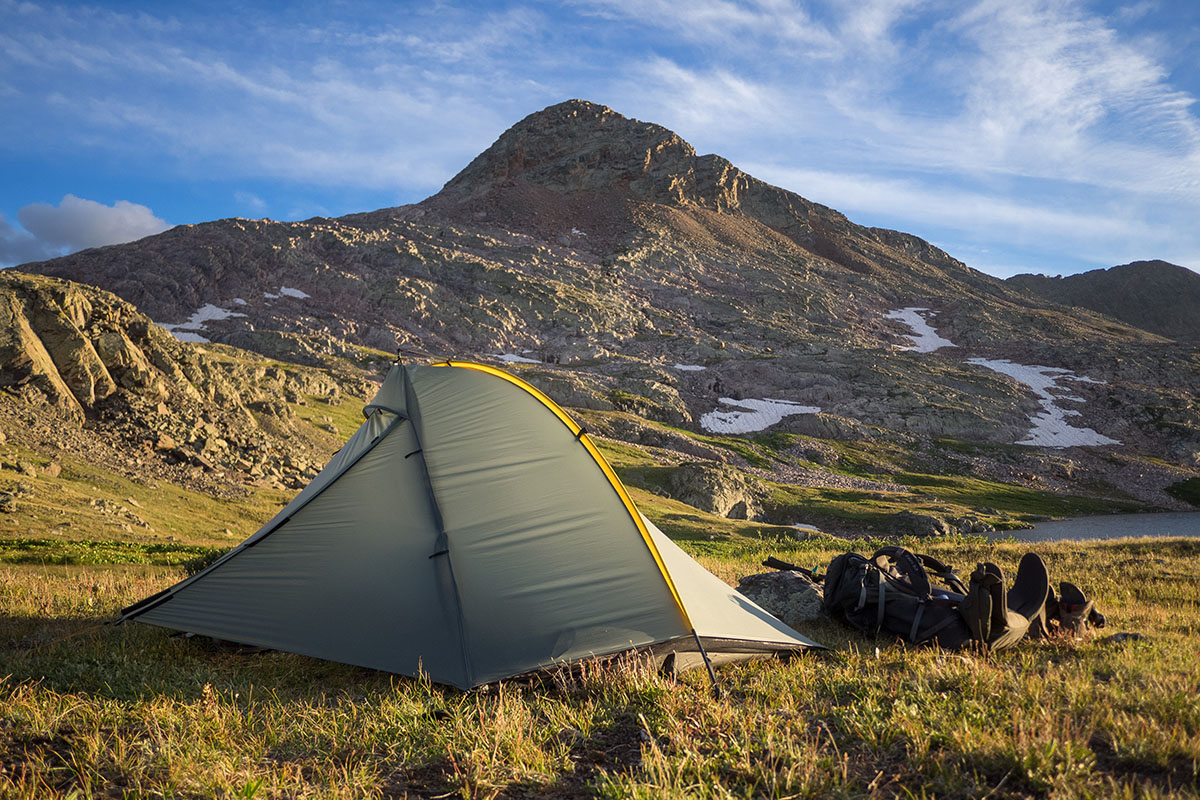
892,592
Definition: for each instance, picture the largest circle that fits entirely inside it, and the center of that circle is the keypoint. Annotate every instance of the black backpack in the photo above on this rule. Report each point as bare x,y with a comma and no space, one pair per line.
892,592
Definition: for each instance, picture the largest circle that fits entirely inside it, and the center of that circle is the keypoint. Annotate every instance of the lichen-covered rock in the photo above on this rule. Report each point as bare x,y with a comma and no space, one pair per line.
568,389
906,523
972,525
717,488
793,597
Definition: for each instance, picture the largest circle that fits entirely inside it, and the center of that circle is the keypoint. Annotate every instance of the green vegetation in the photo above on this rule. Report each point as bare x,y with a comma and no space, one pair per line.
1186,490
87,501
88,709
1015,500
62,552
344,418
94,710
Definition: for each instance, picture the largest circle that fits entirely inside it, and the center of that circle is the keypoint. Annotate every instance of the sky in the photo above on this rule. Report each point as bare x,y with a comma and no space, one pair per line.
1045,136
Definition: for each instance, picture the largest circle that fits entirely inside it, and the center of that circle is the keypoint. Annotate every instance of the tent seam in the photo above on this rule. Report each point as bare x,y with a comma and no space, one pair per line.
463,642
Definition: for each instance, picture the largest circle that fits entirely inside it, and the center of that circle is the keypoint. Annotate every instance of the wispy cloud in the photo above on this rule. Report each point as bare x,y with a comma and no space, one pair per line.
1033,118
366,110
970,219
781,22
249,201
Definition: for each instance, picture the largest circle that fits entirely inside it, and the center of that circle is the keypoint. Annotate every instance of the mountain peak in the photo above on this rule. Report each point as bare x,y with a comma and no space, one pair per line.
578,146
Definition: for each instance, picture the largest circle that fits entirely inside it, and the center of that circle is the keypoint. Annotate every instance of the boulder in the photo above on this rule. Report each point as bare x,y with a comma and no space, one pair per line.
906,523
972,525
717,488
793,597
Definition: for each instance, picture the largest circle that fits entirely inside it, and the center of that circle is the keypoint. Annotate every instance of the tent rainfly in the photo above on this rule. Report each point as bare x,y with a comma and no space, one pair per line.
468,531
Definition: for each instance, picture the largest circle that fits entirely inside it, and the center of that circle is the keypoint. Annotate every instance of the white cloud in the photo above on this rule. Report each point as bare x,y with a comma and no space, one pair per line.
1096,235
74,224
781,22
19,247
77,223
712,101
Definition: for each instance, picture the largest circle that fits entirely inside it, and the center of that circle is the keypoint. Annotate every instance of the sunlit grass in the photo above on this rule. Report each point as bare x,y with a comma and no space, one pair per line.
92,709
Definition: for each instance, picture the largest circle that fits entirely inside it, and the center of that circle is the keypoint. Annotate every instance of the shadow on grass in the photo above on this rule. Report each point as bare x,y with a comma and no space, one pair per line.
82,654
612,749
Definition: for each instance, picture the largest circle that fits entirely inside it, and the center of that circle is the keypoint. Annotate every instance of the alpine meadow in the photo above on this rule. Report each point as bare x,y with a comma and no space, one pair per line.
543,485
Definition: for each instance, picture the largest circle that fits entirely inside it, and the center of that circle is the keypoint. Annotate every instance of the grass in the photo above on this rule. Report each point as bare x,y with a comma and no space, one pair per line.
77,552
61,508
88,709
93,710
1017,501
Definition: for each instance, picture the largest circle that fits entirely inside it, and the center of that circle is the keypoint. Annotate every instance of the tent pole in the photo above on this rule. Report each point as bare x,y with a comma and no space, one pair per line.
712,675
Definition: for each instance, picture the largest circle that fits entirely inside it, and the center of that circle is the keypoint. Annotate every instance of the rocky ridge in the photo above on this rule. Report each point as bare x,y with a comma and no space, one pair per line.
84,374
1152,295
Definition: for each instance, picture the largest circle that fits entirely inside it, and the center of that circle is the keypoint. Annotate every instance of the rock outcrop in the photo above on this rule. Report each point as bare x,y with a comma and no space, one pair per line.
717,488
87,370
793,597
75,348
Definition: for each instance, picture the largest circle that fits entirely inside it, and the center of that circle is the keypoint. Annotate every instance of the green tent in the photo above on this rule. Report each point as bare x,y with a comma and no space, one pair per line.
471,531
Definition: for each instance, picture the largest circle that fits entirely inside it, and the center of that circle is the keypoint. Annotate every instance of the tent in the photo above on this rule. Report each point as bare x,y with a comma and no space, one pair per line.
469,531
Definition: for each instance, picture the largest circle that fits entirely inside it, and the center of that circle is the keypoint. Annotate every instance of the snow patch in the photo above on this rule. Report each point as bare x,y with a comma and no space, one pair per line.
925,338
757,415
577,232
188,336
284,291
1050,426
198,322
239,301
687,367
513,358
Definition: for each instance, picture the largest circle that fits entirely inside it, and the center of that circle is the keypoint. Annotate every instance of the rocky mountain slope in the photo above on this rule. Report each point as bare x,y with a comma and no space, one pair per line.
1152,295
625,274
87,380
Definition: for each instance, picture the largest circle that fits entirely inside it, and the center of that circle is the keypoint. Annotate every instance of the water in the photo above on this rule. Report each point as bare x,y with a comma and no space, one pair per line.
1113,526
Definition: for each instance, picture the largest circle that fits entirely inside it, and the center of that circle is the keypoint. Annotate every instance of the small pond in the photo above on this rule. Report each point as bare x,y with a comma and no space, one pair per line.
1113,526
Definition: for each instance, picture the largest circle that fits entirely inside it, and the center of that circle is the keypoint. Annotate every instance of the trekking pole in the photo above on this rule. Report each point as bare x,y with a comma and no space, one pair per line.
712,675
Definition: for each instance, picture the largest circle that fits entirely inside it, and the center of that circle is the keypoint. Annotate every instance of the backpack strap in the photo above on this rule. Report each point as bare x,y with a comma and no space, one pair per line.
907,568
916,623
881,602
944,571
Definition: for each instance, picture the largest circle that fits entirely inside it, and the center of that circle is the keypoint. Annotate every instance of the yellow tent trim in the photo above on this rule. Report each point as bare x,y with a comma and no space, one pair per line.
580,434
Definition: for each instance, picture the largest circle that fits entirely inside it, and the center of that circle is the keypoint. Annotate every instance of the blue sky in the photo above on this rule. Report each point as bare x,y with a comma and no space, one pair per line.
1019,135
